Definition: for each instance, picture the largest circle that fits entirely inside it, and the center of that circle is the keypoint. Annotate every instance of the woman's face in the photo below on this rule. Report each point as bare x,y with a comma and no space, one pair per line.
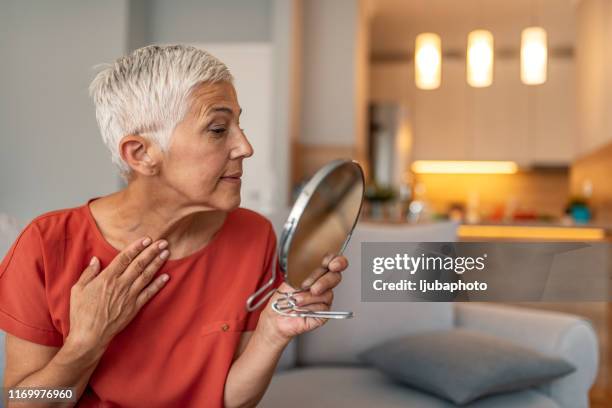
204,160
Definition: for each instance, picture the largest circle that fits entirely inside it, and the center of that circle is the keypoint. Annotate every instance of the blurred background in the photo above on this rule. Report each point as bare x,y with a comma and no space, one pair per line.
492,114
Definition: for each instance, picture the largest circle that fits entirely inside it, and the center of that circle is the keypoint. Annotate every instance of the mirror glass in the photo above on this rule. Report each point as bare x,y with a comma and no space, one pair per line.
321,222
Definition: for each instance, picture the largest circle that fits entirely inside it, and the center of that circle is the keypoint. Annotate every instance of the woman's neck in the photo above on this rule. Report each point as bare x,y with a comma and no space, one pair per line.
134,212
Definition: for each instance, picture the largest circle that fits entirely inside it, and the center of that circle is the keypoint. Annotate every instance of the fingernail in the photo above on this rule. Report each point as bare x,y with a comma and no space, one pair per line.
164,254
335,264
162,244
93,261
146,242
165,277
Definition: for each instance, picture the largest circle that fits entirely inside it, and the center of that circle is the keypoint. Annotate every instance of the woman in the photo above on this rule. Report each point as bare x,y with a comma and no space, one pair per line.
138,298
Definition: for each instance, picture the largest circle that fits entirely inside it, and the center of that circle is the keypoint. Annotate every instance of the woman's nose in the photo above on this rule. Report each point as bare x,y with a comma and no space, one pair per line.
243,147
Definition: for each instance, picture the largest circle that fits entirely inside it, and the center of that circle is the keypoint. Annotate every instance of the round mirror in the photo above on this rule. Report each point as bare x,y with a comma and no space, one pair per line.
321,222
320,225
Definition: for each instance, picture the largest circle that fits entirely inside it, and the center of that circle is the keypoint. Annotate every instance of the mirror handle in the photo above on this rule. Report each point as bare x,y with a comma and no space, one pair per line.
251,308
251,298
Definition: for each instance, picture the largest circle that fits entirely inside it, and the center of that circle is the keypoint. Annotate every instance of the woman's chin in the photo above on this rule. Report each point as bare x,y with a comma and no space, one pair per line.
230,203
225,202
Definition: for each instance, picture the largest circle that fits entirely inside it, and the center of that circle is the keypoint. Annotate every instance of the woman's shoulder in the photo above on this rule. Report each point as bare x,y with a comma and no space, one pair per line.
247,219
42,235
60,221
248,216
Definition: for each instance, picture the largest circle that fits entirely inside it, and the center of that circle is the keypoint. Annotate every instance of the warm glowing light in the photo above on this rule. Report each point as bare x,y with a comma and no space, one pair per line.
528,232
534,56
463,167
428,61
480,58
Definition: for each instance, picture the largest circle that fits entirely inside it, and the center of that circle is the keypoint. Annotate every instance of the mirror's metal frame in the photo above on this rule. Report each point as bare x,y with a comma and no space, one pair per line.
287,303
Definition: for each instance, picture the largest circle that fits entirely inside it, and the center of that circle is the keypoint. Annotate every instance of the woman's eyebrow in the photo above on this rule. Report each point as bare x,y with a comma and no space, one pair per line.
225,109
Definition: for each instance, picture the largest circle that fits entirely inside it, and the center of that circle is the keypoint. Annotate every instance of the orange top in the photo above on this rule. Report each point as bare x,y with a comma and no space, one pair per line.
178,349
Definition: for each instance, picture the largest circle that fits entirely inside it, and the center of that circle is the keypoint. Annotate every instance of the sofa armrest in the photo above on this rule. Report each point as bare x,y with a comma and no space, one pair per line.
563,335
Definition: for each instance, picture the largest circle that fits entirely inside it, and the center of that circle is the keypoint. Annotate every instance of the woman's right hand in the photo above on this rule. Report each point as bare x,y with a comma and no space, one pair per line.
102,304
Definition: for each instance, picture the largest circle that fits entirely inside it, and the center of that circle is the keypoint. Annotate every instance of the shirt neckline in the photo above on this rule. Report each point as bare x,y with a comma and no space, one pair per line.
114,251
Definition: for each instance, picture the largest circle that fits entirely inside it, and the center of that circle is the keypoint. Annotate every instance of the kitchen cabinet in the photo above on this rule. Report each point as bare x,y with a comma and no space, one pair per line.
555,140
500,117
441,117
532,125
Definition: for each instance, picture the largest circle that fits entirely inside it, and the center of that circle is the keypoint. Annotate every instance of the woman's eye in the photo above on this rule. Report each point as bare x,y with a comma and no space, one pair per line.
218,131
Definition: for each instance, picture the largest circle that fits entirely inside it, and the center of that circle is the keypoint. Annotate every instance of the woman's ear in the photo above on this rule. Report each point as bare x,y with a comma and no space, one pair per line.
139,154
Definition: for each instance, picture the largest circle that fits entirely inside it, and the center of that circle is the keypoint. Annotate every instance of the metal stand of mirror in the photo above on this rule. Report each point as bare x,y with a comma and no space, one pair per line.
320,224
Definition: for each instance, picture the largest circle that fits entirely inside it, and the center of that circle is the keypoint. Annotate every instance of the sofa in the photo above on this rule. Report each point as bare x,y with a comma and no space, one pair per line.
321,368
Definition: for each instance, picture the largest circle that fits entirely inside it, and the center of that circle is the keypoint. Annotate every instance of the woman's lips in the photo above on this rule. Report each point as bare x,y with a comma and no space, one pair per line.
230,179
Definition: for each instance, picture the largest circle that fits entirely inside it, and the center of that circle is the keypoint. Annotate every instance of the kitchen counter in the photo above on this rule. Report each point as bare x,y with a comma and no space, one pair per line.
519,230
540,231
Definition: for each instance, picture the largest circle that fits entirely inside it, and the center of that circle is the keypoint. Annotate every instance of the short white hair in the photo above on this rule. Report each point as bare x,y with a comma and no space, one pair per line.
148,93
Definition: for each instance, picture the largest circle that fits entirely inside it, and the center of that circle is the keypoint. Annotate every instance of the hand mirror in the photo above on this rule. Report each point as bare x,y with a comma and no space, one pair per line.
320,224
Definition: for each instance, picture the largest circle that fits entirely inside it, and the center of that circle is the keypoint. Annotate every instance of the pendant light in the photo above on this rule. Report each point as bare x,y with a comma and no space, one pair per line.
428,61
480,58
534,55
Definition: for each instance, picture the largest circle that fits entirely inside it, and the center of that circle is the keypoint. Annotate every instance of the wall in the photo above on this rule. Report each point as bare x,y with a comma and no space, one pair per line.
397,22
329,60
287,39
333,66
595,168
594,104
209,20
594,79
545,193
51,153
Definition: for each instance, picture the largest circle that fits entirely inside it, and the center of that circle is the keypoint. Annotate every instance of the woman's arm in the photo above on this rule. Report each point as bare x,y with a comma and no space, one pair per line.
250,374
69,366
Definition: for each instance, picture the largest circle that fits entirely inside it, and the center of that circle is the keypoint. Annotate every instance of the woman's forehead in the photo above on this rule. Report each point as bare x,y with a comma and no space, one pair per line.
217,97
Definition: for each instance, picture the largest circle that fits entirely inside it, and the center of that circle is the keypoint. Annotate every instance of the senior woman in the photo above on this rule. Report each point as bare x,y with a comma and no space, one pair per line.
137,299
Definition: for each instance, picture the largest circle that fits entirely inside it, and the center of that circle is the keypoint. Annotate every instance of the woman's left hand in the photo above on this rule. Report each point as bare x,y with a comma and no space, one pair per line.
319,297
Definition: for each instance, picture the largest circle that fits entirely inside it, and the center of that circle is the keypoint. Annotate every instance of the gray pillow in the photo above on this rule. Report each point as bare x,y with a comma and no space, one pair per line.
462,365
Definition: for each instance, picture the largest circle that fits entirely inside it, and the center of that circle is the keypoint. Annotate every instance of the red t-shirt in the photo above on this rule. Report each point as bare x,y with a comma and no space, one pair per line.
178,349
